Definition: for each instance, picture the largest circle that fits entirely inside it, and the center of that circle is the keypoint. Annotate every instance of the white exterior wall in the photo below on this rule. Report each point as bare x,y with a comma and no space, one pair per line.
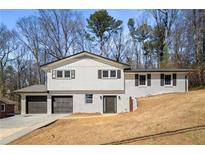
79,104
155,88
23,104
49,104
86,77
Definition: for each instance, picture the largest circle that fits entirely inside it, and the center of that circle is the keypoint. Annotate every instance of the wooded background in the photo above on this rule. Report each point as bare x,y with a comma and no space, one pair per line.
160,39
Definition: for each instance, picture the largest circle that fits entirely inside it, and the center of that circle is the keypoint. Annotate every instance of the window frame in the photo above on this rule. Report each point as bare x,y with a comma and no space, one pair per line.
65,76
107,74
4,108
88,100
57,74
145,80
110,74
171,80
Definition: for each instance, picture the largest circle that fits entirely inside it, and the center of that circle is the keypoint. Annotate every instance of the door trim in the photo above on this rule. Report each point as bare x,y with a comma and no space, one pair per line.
104,96
27,103
52,99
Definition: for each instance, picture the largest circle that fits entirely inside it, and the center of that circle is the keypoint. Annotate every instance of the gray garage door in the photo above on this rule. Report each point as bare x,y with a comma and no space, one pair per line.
36,104
62,104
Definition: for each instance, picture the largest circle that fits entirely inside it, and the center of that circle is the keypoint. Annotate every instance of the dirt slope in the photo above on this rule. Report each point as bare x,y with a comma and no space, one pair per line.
155,114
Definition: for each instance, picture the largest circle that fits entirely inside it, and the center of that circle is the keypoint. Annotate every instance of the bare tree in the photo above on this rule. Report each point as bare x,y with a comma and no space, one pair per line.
21,64
7,46
196,31
118,46
86,41
29,35
60,29
179,57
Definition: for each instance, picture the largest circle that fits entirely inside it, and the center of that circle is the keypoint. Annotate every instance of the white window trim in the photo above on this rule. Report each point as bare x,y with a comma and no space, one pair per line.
57,74
168,85
63,75
109,72
86,99
145,81
4,108
103,76
115,74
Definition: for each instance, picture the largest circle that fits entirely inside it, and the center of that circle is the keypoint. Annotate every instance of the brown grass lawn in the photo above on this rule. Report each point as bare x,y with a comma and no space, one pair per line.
155,114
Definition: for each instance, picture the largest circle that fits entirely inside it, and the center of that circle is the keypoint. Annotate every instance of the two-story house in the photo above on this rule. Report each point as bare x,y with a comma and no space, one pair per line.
86,82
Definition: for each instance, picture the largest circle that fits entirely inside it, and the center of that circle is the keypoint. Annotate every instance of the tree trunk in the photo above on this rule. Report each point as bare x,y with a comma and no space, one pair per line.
2,81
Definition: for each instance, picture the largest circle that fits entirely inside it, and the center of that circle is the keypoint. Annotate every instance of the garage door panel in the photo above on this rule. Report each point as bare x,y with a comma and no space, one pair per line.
36,104
37,107
62,104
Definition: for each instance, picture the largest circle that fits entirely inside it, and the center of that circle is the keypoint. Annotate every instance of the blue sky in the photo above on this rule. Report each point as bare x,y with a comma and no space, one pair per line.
9,17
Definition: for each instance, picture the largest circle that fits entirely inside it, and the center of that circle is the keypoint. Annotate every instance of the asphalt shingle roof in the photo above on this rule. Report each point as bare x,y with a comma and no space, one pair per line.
33,89
160,70
7,101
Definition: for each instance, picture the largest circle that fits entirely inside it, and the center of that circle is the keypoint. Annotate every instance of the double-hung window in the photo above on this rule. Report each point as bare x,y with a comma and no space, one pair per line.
109,74
167,80
64,74
105,73
59,74
67,74
143,80
113,74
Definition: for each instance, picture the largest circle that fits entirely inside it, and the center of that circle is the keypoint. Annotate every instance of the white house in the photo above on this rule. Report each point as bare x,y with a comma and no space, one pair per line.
86,82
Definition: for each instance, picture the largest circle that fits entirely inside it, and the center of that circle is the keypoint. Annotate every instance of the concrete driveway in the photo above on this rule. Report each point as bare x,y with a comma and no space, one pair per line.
14,127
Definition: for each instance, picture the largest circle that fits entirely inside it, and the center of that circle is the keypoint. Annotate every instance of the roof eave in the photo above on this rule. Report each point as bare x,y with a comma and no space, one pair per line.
168,70
45,66
22,92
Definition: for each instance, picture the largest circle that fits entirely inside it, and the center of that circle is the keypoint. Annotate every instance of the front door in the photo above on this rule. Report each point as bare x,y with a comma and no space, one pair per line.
109,104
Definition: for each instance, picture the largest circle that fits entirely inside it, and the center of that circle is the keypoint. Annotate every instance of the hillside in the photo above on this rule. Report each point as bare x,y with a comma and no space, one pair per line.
155,114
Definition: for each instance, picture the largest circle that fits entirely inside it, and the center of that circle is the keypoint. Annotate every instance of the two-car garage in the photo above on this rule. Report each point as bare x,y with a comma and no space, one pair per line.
38,104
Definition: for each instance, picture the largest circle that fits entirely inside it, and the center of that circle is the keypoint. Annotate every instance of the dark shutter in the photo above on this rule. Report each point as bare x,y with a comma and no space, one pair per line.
99,74
118,74
53,74
162,79
148,79
174,79
72,74
136,79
